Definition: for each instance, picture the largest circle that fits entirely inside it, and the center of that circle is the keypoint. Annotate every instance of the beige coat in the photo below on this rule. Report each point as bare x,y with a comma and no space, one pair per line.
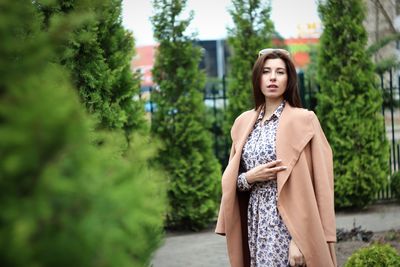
305,188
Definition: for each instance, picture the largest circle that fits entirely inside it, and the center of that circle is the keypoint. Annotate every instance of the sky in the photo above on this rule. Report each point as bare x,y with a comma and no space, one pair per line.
211,18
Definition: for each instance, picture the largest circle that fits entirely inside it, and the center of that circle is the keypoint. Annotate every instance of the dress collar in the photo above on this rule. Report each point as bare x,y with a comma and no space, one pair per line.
277,113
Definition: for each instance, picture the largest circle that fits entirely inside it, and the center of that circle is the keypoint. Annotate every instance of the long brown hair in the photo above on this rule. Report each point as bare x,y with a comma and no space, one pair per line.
291,94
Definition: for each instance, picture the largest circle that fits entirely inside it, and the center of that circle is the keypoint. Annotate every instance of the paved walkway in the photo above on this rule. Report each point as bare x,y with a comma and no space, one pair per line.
206,249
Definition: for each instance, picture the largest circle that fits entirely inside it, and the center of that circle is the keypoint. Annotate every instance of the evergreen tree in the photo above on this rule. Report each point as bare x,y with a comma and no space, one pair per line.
181,123
349,105
98,54
65,200
252,31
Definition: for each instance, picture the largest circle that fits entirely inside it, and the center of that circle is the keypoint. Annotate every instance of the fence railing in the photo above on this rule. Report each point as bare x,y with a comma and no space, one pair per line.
391,113
216,100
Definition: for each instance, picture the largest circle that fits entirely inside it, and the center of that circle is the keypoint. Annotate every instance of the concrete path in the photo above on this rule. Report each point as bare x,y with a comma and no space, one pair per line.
376,218
206,249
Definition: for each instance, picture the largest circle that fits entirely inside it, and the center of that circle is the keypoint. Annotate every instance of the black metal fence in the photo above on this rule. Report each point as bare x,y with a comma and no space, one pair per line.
391,112
216,101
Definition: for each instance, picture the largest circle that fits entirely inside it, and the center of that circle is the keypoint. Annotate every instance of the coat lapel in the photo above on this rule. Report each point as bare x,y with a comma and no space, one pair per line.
292,136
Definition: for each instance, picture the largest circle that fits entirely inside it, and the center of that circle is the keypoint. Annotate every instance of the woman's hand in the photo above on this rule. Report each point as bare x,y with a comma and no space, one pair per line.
264,172
296,258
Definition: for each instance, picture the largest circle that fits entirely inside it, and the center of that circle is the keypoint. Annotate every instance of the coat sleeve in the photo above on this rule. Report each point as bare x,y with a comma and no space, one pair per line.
322,161
220,227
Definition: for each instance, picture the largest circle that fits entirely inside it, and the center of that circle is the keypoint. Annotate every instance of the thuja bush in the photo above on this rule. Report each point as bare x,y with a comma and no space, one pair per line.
180,121
97,52
349,105
373,256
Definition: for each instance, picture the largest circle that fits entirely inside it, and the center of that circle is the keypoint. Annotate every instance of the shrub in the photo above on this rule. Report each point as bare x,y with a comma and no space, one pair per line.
97,52
181,123
349,105
373,256
395,184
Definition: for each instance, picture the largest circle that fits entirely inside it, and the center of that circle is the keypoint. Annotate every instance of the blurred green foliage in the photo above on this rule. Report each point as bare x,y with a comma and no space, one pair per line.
180,121
349,105
70,195
373,256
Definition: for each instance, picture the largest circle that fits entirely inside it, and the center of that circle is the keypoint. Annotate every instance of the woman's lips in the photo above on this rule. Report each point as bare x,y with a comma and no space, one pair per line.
272,88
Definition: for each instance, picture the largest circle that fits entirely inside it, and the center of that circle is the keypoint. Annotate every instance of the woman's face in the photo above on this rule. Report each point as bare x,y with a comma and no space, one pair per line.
274,79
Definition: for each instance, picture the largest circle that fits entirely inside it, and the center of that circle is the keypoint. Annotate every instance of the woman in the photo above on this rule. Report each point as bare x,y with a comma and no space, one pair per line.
277,205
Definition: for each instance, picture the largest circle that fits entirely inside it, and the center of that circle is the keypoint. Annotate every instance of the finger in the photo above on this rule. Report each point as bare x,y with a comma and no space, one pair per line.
273,163
268,177
271,177
276,169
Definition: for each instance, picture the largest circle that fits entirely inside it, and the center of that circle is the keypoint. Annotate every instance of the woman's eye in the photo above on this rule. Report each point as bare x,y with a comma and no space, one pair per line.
281,72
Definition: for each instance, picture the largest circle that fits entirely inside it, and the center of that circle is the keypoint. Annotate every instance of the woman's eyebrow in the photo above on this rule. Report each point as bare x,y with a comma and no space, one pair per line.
278,68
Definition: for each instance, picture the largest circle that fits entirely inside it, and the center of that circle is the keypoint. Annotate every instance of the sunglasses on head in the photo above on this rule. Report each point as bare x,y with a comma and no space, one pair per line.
271,50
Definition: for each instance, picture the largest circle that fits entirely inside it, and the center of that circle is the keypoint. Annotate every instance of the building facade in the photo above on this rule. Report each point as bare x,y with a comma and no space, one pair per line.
382,20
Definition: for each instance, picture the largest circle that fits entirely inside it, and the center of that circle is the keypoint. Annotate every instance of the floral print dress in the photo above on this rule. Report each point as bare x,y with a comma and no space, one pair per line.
268,236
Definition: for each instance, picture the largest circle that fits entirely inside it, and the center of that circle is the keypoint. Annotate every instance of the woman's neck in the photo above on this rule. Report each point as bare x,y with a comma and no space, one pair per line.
271,105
